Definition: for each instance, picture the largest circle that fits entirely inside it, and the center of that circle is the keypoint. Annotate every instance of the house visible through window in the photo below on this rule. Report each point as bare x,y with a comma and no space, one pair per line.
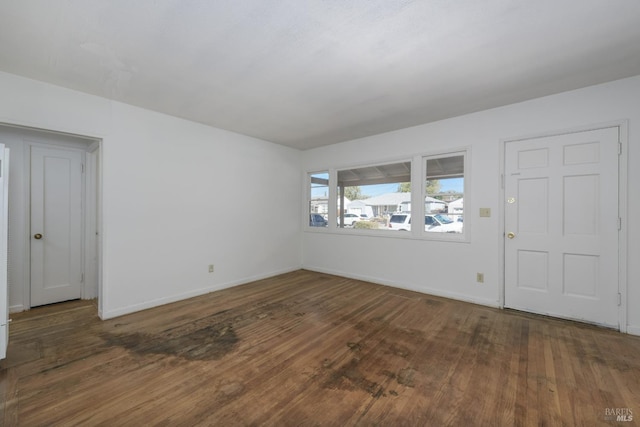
368,196
380,197
444,193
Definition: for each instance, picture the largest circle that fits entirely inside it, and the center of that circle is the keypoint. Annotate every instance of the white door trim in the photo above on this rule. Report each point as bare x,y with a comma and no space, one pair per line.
90,202
623,212
622,126
92,252
4,250
93,146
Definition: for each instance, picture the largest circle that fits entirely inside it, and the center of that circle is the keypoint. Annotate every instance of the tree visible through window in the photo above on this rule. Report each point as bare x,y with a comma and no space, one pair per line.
382,197
368,196
444,193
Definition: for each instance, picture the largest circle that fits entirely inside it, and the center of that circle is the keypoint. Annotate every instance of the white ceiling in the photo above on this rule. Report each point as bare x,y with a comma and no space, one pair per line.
307,73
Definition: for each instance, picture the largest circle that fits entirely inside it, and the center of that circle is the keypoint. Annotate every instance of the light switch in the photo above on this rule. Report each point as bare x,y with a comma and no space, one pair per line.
485,212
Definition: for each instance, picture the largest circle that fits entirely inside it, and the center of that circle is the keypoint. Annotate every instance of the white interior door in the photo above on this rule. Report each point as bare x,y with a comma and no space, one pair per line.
561,226
56,225
4,237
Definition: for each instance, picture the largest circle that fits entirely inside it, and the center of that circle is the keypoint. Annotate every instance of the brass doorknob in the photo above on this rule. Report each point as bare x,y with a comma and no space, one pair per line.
37,236
511,235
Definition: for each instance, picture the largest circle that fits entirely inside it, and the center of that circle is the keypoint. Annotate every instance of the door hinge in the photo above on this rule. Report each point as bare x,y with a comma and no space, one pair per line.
502,181
81,277
619,299
619,223
82,167
619,148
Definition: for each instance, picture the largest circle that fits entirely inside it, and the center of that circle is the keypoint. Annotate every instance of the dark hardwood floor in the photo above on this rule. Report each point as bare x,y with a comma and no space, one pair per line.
306,349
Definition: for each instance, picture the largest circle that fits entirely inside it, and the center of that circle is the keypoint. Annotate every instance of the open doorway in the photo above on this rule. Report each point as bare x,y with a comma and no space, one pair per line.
54,248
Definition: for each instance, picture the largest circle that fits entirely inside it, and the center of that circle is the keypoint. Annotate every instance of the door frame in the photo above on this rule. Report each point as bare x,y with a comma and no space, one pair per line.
622,126
90,194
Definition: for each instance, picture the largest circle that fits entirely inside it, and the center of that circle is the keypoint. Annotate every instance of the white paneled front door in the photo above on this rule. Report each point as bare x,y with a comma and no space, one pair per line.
56,225
561,226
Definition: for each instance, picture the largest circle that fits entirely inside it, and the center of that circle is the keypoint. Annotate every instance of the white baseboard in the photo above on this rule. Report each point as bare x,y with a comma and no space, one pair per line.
110,314
422,290
633,330
16,308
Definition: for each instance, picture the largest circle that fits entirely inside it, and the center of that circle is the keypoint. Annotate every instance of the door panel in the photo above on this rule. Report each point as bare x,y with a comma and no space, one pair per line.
56,216
562,217
533,197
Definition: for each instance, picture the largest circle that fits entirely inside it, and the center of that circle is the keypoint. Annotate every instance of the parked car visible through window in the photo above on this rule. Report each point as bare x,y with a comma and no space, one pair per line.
317,220
401,222
439,223
349,219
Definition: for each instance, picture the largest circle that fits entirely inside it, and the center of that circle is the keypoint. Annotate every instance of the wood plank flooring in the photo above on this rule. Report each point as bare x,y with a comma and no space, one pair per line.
310,349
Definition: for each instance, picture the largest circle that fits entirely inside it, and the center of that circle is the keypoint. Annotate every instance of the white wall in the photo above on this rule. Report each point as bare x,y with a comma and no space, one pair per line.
449,269
176,196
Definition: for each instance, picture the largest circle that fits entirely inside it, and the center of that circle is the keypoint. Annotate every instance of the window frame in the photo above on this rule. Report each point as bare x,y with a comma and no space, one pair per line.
335,188
418,163
465,152
309,199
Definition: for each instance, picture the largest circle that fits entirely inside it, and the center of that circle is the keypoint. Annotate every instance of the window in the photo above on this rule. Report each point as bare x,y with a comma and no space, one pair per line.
318,199
367,197
444,193
379,198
